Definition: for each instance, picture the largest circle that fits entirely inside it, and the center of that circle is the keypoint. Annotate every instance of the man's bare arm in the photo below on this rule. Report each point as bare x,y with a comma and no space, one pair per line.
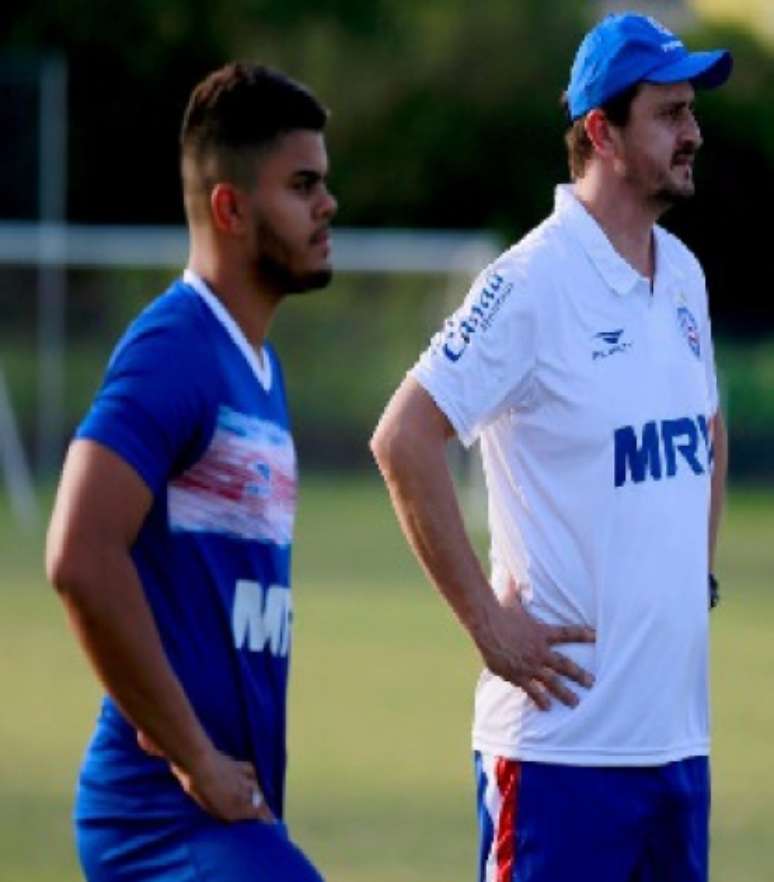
718,485
100,506
409,446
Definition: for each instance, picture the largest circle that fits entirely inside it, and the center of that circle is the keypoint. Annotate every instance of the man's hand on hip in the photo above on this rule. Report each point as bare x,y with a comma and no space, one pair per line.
226,788
518,648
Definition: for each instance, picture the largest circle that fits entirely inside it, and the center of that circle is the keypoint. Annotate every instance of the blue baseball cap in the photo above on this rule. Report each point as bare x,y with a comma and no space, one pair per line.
626,49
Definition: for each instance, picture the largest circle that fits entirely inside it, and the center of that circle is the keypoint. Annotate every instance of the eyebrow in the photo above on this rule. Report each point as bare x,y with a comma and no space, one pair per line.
309,176
678,104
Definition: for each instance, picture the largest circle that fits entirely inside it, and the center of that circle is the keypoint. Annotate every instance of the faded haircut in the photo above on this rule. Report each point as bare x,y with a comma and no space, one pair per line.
235,114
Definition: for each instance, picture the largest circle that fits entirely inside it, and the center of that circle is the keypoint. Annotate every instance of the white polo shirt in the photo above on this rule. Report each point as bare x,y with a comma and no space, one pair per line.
591,395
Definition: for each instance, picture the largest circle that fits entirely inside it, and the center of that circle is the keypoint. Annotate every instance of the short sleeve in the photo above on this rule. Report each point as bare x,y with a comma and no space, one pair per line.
151,409
481,363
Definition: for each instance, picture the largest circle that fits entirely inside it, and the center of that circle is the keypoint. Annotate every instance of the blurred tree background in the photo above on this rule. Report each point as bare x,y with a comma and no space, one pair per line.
445,114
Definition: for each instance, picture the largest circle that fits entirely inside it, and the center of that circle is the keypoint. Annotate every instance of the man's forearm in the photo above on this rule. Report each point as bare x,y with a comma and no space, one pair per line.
423,497
411,457
108,611
409,445
718,483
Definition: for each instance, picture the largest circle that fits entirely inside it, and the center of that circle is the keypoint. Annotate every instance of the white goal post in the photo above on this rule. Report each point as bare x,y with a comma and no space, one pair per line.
53,248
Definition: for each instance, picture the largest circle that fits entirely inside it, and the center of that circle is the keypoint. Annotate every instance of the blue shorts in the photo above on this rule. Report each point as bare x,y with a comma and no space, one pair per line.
189,849
541,822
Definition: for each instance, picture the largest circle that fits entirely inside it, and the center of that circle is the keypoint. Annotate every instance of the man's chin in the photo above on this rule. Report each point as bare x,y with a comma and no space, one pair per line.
284,281
673,194
310,281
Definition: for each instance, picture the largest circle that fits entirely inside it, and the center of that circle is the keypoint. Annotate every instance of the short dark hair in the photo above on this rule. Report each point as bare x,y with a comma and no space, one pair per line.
579,147
239,110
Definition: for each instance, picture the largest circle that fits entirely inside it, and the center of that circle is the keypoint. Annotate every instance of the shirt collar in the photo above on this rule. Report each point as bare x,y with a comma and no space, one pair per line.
257,359
617,272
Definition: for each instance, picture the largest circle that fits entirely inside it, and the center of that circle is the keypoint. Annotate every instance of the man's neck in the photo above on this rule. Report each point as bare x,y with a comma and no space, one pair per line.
251,308
627,222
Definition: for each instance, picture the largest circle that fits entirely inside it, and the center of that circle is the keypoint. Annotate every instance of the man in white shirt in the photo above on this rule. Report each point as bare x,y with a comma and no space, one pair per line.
582,361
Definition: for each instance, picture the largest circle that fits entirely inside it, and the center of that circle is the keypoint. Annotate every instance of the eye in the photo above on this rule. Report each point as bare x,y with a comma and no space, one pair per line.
679,112
305,184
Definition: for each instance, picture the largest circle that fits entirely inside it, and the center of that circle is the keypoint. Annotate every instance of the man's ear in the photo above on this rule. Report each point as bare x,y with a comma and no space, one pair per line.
600,132
227,204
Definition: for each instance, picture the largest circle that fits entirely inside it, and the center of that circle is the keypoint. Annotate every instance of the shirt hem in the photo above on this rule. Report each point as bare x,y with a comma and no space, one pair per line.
591,756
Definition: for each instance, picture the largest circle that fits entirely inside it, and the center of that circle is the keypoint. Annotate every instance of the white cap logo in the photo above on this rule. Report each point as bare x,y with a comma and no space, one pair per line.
659,27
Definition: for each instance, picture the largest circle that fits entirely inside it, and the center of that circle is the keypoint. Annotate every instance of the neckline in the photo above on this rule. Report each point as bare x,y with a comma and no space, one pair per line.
258,359
617,272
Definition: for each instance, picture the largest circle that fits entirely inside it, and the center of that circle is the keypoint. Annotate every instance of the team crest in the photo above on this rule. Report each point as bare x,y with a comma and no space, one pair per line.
690,328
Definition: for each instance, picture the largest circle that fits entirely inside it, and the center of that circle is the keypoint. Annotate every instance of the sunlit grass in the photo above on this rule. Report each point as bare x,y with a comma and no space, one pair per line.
380,784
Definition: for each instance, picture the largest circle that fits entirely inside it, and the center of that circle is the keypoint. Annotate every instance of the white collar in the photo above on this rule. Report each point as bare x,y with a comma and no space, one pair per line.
619,274
258,360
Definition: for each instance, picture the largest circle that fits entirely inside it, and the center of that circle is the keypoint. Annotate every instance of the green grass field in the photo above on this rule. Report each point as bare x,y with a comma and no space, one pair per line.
380,779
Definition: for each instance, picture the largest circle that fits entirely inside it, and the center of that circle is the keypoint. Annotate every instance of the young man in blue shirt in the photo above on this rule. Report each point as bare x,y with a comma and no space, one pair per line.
171,533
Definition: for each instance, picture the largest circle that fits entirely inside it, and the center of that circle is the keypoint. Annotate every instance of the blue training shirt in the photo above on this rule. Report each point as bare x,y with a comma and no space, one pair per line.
189,406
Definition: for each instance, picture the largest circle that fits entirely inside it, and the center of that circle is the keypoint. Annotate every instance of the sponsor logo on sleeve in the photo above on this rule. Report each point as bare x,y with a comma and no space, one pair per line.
462,328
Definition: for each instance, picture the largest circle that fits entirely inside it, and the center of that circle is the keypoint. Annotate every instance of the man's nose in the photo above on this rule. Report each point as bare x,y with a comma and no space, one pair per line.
328,205
692,132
